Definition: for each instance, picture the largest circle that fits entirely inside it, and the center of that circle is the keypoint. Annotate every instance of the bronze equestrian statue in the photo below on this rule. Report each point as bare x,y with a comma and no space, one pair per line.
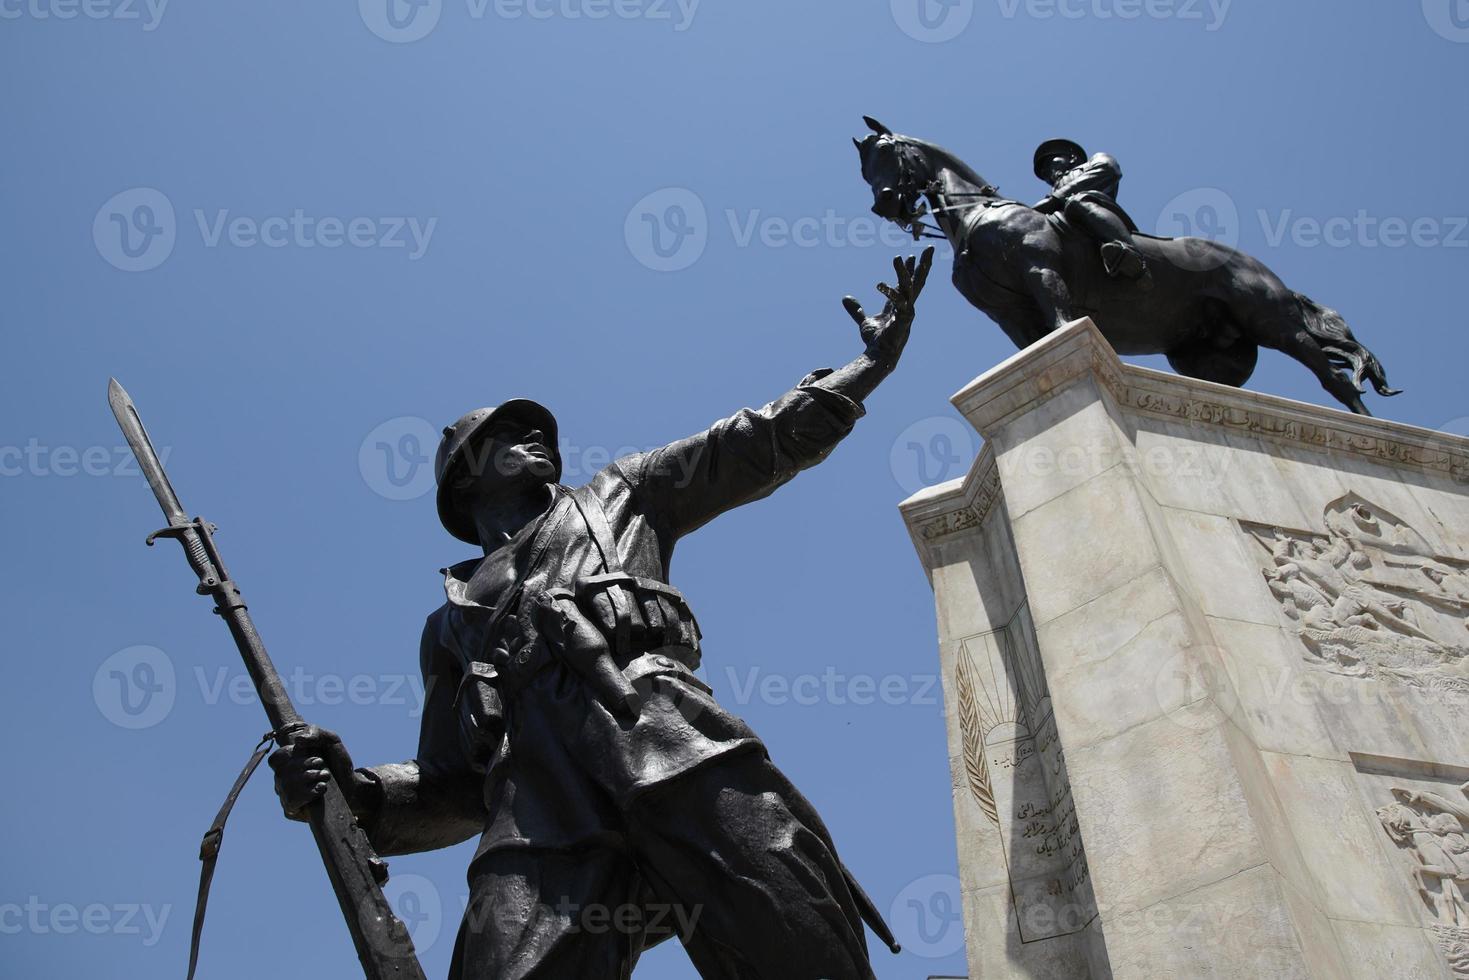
616,802
1206,306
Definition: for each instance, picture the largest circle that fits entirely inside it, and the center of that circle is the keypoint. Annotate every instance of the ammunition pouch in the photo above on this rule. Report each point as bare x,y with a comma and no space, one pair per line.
638,614
634,616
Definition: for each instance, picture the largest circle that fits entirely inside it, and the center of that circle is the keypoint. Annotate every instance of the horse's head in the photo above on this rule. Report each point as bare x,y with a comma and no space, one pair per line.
896,173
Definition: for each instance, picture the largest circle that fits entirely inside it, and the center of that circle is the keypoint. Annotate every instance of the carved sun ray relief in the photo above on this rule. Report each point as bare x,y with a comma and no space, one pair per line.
1015,769
1370,599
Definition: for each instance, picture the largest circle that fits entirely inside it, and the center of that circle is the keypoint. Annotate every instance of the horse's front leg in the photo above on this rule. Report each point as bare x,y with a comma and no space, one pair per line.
1052,296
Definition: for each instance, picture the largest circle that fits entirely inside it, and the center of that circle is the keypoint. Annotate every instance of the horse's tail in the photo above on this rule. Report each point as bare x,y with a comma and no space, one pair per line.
1328,329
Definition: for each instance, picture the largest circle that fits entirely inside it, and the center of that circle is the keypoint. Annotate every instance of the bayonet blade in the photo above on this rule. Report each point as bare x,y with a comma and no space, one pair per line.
126,414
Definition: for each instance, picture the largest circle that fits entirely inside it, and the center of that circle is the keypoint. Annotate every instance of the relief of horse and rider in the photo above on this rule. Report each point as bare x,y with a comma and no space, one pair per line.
1032,269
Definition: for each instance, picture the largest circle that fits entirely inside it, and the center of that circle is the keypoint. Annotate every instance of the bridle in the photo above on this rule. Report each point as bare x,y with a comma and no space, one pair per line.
908,190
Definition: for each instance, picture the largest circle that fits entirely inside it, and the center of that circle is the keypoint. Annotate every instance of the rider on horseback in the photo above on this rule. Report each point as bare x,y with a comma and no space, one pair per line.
1085,190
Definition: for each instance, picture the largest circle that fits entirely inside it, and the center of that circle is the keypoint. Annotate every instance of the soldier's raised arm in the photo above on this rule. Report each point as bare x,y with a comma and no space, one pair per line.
748,455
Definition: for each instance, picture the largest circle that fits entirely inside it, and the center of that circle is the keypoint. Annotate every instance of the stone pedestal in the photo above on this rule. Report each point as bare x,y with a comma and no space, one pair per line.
1206,666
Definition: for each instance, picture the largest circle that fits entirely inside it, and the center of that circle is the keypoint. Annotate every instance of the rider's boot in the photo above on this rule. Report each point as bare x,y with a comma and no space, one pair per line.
1122,261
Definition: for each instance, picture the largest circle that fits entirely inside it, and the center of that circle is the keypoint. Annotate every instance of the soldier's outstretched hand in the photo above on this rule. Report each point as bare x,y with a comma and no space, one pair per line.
886,333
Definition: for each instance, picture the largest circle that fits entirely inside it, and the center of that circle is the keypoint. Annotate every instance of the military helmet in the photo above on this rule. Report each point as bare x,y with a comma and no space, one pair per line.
460,437
1055,148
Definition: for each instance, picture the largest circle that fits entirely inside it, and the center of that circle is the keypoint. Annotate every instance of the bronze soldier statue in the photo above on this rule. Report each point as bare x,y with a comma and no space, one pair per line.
1085,191
566,728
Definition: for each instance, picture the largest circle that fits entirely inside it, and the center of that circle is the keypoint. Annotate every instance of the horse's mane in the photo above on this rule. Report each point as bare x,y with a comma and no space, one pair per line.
948,157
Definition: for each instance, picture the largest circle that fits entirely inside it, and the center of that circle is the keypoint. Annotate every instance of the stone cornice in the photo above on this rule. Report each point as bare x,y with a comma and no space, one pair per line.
953,507
1080,351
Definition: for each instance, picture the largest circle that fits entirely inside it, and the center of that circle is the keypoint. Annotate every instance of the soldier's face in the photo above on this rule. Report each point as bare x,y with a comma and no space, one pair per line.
511,452
1060,166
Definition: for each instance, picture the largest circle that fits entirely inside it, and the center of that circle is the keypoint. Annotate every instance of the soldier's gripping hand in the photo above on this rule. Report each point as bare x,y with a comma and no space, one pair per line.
302,768
886,334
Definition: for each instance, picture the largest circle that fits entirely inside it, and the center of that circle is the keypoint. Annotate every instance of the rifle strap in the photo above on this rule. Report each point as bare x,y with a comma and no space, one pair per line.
213,837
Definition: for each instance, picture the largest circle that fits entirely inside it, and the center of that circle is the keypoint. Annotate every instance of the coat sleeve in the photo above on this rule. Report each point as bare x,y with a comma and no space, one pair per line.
1101,173
435,799
741,458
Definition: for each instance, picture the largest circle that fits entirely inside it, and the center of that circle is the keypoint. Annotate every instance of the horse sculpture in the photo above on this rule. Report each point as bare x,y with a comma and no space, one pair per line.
1206,306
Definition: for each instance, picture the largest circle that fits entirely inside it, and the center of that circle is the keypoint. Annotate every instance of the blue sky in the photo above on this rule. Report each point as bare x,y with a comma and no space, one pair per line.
345,227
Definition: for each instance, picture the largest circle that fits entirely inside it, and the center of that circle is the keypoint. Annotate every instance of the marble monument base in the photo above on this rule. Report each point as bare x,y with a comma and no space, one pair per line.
1206,672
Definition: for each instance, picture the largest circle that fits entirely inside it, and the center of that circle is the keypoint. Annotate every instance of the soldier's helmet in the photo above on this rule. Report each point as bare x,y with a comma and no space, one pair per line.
460,438
1056,148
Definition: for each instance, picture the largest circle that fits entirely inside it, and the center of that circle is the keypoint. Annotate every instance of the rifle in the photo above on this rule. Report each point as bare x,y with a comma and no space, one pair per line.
384,947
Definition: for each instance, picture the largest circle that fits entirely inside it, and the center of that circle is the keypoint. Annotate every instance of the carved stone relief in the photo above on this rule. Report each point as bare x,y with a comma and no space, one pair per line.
1370,599
1430,828
1015,770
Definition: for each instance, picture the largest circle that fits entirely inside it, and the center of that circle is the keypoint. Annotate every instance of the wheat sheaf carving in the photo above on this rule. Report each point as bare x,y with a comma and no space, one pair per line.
976,767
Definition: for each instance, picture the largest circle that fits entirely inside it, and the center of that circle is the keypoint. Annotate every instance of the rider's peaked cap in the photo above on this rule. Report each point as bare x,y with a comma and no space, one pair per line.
1055,148
459,438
